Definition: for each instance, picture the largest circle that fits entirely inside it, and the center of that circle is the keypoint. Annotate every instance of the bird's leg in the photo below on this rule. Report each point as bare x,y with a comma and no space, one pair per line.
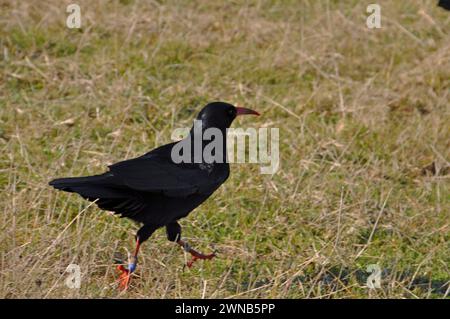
195,254
124,278
142,235
174,234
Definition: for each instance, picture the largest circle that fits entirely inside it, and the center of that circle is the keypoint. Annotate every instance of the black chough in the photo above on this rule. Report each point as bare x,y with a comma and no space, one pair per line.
157,191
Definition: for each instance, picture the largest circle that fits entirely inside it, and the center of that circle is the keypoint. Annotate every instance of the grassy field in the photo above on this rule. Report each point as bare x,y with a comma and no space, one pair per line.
364,144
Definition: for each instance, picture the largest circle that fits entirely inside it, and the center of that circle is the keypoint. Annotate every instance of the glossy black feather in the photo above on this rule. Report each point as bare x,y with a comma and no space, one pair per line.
152,189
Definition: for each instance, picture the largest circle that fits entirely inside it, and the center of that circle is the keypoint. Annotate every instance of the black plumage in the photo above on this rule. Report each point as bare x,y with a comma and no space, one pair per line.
149,189
153,189
445,4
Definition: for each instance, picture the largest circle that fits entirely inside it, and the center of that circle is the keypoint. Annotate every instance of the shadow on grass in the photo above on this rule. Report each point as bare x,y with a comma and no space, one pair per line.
338,278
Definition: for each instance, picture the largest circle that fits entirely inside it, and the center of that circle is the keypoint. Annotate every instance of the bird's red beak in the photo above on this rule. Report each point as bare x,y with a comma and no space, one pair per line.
244,111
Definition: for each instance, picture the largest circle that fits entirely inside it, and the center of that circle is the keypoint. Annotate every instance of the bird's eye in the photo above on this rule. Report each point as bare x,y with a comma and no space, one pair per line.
231,112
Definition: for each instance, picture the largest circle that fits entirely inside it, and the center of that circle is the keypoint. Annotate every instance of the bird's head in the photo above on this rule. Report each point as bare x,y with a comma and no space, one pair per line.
221,114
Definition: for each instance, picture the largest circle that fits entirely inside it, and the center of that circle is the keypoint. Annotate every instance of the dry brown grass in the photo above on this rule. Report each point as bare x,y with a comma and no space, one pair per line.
364,143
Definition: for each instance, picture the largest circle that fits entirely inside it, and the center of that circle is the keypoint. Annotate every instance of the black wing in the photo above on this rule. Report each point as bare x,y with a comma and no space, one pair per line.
141,188
160,175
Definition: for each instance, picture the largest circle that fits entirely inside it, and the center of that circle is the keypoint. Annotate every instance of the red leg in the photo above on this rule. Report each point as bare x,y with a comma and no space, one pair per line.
125,276
195,254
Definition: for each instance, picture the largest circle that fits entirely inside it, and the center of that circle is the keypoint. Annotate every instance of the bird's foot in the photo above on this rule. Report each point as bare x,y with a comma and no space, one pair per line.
124,277
196,255
125,273
199,256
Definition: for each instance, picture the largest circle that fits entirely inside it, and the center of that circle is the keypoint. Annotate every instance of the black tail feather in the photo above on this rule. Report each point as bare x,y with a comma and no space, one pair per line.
68,182
104,190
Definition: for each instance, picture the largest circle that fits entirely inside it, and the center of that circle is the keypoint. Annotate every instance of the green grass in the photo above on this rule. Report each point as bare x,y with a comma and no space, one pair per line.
368,114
